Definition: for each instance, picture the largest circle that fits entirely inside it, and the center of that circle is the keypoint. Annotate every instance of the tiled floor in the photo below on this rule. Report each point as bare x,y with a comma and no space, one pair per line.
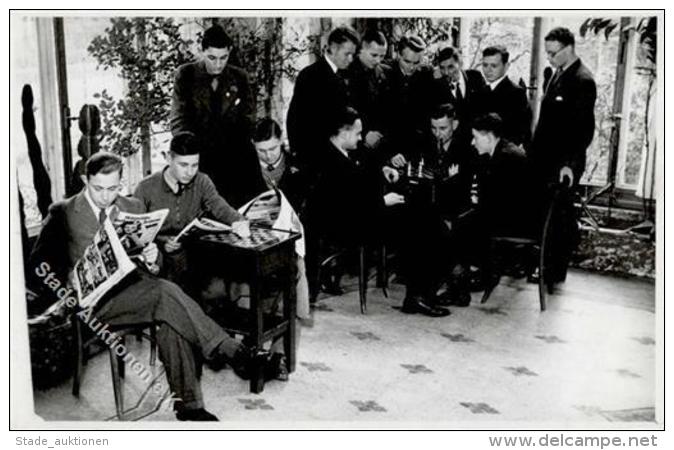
587,362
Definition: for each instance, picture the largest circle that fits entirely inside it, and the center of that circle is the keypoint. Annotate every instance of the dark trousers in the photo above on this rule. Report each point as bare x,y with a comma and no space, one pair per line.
183,329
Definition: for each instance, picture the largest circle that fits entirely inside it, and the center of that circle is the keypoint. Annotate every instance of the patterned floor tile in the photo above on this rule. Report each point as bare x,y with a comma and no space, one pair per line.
644,340
255,403
627,373
521,370
550,339
365,336
479,408
315,366
367,406
456,337
416,368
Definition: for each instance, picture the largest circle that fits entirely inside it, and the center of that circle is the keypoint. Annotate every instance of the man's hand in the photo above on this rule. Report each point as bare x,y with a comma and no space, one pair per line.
566,172
448,223
372,139
172,245
391,175
241,228
150,253
453,170
393,198
398,161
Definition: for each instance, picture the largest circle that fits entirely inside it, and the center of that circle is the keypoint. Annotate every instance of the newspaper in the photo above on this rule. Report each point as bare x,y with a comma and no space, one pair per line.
136,231
103,265
202,225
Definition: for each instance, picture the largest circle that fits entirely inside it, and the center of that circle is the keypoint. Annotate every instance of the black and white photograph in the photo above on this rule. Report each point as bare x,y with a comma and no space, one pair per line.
465,228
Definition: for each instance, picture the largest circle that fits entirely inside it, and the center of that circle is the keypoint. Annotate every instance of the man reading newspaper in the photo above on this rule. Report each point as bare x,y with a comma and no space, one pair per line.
183,327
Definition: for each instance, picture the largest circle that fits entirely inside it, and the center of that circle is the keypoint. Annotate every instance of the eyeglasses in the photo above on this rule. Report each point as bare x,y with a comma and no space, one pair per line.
553,54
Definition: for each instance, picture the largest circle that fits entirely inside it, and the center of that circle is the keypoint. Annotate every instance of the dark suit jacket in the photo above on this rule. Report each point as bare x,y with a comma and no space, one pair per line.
318,97
68,229
566,123
368,94
472,103
347,200
510,102
452,190
407,107
223,121
504,184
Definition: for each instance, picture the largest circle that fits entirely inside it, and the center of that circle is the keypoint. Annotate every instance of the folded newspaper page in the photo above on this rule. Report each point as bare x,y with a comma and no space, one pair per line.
103,265
136,231
202,225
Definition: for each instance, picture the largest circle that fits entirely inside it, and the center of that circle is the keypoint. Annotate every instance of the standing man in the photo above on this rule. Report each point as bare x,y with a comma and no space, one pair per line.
506,98
368,86
411,84
213,100
462,88
320,93
564,132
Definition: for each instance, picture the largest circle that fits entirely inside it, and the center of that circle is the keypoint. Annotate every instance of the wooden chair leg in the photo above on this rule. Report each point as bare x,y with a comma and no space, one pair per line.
117,384
153,345
79,356
120,361
382,271
362,279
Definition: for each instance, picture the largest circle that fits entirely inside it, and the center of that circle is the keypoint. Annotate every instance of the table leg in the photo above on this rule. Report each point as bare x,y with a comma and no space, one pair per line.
257,321
290,314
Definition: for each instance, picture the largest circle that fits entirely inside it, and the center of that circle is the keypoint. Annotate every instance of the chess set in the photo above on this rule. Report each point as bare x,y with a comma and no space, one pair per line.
259,237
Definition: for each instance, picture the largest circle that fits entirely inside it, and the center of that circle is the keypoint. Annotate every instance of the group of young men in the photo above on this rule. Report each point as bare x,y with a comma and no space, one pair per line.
356,128
366,132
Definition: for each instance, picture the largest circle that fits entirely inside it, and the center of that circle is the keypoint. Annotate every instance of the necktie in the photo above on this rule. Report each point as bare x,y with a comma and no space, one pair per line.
181,188
102,216
555,78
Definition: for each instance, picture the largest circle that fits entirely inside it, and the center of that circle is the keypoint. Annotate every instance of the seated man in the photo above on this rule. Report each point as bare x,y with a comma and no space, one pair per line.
449,159
349,207
504,194
276,166
188,194
183,328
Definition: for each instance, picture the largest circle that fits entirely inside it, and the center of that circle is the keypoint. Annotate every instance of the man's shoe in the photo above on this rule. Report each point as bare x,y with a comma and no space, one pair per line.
449,298
195,415
277,368
247,361
417,304
332,288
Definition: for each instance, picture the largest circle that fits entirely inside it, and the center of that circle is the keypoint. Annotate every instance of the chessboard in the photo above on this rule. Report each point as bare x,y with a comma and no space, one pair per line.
259,237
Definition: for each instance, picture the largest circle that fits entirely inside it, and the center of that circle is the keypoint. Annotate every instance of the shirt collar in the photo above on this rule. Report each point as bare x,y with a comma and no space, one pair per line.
332,65
171,184
94,208
493,84
278,162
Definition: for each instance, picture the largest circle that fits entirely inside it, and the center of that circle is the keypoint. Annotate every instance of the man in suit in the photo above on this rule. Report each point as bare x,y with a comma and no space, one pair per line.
320,93
504,97
409,99
462,88
504,191
564,132
213,100
368,86
183,328
350,207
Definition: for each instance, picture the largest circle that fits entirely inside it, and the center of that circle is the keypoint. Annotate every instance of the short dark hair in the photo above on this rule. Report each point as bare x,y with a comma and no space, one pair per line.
185,143
448,53
373,35
345,118
216,37
343,34
413,42
265,129
490,123
443,110
497,50
562,35
103,162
